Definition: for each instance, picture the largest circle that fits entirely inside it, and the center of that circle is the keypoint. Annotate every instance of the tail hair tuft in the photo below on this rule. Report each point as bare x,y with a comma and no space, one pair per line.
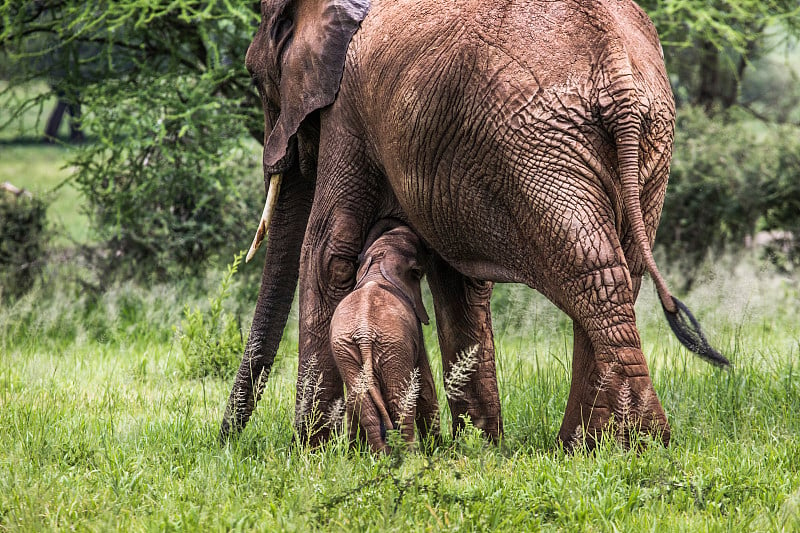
687,329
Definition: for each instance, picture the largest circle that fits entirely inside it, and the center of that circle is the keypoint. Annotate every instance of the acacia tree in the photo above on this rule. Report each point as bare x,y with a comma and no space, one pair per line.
169,109
709,44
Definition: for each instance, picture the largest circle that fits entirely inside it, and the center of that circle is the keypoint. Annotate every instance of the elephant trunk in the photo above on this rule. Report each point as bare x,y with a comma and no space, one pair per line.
278,283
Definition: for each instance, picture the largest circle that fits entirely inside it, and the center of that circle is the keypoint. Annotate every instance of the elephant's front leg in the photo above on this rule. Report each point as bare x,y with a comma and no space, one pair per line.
464,325
327,273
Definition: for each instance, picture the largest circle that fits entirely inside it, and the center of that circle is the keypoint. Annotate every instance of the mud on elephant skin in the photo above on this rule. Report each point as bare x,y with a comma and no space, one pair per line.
376,340
524,142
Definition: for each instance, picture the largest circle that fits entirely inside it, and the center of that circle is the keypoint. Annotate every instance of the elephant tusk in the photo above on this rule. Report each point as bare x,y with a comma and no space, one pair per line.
266,216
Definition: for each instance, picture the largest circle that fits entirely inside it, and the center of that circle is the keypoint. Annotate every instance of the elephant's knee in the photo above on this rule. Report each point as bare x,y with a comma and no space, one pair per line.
334,274
330,255
478,292
341,272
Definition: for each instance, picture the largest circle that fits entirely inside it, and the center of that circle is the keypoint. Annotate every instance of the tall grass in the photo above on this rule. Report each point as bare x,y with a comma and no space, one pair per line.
103,431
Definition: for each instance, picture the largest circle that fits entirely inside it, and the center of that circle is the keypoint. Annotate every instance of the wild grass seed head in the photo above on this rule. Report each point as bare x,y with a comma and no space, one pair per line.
408,401
461,372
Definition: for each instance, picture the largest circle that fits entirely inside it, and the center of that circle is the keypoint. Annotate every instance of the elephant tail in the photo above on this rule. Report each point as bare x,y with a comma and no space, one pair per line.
374,393
680,319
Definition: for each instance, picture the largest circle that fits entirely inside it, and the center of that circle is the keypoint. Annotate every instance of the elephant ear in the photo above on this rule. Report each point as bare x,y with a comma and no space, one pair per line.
404,273
313,36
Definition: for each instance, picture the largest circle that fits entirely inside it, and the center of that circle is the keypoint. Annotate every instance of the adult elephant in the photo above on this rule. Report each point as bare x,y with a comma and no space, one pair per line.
525,141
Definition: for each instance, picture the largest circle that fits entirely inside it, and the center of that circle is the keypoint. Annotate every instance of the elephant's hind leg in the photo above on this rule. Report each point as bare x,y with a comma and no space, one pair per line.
611,387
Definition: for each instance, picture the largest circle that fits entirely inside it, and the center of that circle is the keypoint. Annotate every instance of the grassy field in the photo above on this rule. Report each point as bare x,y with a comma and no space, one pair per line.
102,429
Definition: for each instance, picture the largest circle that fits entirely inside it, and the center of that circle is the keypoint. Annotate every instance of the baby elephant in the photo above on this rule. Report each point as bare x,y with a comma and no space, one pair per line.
376,338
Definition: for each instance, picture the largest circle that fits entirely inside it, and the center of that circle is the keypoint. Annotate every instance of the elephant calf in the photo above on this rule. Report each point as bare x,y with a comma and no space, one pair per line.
376,339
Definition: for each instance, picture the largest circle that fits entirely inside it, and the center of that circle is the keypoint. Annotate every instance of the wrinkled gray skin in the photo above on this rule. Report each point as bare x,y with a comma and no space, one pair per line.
524,141
377,343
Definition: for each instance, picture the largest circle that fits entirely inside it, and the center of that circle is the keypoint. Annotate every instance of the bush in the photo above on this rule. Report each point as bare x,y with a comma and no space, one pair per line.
167,180
730,178
212,343
23,239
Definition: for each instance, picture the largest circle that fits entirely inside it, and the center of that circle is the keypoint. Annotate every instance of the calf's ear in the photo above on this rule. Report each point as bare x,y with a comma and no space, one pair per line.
364,264
405,277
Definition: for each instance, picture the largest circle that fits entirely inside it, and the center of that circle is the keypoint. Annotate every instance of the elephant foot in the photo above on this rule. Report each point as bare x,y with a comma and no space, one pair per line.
474,395
316,429
617,403
485,417
471,385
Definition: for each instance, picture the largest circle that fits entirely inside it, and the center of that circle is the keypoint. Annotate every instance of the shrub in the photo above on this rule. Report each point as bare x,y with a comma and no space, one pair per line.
23,239
167,180
212,342
730,178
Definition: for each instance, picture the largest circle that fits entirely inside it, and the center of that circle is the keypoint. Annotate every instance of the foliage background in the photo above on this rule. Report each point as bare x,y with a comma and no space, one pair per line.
169,112
171,116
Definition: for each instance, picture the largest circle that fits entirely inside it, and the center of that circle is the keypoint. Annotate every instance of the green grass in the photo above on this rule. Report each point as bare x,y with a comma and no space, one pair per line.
101,431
